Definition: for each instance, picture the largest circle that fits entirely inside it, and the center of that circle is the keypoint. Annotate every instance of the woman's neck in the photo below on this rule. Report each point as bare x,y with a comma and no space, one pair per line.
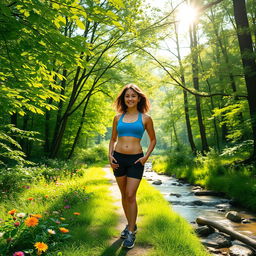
132,111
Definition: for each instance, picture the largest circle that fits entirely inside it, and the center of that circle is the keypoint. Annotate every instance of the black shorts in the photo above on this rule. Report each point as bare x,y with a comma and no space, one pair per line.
127,166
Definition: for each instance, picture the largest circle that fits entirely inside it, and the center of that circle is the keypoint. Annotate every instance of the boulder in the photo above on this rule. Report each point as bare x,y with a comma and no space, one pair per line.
157,182
217,240
233,216
245,221
204,230
240,250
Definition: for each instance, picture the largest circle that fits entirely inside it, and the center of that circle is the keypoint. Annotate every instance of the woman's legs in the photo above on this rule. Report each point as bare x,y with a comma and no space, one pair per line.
132,185
122,181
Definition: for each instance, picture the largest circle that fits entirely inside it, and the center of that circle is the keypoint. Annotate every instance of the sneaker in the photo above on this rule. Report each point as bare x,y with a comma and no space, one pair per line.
125,231
129,240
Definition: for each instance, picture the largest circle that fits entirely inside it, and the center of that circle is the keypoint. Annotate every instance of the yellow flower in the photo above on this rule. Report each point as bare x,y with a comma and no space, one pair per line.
64,230
31,222
41,247
61,218
77,213
50,231
12,211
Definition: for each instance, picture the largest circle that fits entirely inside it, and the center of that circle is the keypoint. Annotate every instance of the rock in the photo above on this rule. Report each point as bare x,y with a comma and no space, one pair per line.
197,202
252,219
233,216
233,202
149,179
217,240
204,230
240,250
208,193
245,221
174,183
179,184
161,173
157,182
196,188
221,210
175,194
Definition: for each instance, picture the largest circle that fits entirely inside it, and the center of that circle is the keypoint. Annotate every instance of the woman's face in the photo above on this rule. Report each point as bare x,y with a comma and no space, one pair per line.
131,98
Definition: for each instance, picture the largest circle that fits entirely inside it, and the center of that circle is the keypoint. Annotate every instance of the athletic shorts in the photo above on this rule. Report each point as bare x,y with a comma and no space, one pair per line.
127,166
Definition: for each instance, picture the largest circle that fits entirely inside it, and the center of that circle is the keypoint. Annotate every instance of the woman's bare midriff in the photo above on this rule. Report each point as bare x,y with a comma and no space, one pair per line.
128,145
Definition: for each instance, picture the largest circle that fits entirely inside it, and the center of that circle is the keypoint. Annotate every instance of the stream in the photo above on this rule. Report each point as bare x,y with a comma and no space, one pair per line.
191,206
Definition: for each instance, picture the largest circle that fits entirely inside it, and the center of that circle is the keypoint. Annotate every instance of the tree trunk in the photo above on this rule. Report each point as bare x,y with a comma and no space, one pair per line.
79,128
194,53
248,60
185,94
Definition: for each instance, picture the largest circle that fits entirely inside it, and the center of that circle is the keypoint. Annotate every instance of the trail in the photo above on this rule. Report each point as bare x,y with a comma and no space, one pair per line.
116,242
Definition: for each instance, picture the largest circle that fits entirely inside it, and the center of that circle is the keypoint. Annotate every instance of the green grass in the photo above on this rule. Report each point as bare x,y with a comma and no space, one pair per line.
163,229
96,223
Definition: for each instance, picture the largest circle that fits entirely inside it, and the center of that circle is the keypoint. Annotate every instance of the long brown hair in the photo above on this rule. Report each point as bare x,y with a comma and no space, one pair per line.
143,104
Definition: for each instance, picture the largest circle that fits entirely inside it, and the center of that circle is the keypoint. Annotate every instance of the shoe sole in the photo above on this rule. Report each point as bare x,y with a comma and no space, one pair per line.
128,247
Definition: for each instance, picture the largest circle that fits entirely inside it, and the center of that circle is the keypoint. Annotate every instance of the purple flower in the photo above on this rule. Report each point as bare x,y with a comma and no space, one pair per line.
67,206
19,254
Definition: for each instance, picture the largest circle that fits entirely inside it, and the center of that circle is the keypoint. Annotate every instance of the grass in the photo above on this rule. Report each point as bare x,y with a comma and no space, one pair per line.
163,229
96,223
160,228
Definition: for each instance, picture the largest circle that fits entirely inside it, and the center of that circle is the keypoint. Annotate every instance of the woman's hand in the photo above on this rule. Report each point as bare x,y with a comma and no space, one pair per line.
113,162
142,160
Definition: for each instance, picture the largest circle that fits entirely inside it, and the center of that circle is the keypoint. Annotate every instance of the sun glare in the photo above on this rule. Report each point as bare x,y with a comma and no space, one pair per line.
186,16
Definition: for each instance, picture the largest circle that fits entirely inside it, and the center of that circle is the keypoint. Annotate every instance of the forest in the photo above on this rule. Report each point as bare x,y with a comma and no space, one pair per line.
63,63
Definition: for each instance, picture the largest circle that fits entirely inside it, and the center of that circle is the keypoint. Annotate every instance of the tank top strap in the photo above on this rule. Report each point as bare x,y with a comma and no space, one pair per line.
122,116
140,116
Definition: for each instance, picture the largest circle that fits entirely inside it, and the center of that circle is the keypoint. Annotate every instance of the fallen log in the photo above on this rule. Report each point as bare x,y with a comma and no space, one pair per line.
234,234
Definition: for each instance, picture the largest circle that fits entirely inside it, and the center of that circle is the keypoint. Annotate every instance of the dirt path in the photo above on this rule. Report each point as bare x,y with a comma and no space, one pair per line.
116,241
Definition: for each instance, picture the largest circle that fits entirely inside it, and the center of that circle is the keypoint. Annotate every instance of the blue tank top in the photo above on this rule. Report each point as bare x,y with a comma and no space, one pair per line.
134,129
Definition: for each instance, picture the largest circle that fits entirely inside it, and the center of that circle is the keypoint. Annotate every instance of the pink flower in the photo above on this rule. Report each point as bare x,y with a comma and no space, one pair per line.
19,254
16,224
67,206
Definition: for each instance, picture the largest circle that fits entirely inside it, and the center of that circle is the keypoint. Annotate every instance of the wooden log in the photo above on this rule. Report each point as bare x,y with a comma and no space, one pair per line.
234,234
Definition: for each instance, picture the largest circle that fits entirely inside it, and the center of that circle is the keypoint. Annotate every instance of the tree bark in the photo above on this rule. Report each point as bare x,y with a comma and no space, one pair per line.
194,53
248,60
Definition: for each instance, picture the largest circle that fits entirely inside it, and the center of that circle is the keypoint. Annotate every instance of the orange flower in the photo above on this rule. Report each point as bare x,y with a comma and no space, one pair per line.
12,211
46,196
64,230
77,213
41,247
30,198
31,222
38,216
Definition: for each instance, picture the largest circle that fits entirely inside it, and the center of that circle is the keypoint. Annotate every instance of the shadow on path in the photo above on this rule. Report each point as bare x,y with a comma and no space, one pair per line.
115,249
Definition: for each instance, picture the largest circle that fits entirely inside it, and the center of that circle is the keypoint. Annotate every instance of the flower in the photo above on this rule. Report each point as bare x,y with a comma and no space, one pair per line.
21,214
77,213
30,198
38,216
12,211
46,196
55,212
67,206
61,218
50,231
41,247
64,230
31,222
57,222
19,253
1,234
16,224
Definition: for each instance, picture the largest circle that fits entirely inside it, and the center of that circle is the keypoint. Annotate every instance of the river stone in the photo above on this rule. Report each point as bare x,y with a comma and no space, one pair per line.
157,182
239,250
233,216
217,240
175,194
204,230
245,221
252,219
149,179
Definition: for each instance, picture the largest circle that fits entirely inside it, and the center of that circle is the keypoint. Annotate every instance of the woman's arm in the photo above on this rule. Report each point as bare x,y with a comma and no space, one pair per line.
112,142
152,137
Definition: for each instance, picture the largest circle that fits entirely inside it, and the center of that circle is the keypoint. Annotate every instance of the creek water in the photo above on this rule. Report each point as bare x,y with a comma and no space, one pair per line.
190,206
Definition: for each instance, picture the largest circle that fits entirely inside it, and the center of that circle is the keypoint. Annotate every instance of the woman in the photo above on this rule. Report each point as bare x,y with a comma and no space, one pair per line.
125,154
